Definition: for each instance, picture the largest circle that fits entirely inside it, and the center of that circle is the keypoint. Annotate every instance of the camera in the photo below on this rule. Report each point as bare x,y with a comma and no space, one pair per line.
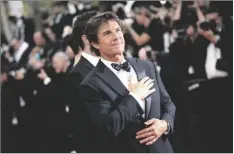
181,33
208,25
205,26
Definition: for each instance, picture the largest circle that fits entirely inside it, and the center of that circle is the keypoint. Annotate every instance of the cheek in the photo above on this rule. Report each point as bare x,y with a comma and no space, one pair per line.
190,31
138,19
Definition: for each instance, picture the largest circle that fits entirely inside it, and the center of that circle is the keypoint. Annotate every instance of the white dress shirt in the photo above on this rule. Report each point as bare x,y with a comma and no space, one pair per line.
18,54
124,78
92,59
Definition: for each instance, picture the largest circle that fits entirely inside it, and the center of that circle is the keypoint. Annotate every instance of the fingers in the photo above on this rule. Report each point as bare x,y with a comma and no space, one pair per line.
144,135
150,85
149,82
151,91
152,141
148,139
146,130
144,79
151,121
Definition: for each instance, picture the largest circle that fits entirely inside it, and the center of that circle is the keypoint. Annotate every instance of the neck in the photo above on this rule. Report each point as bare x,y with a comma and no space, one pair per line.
77,58
116,59
87,50
66,67
193,37
147,22
18,46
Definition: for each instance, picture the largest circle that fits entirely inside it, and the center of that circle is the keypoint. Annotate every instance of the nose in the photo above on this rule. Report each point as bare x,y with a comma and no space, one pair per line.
116,36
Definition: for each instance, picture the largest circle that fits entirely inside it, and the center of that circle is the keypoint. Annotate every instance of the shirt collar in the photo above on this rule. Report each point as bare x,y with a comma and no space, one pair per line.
108,64
92,59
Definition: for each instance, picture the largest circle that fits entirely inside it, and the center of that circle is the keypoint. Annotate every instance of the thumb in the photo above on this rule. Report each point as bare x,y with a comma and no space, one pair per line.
150,122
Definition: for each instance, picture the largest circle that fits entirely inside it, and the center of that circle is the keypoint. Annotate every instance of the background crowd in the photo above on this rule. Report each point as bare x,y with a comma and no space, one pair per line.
191,41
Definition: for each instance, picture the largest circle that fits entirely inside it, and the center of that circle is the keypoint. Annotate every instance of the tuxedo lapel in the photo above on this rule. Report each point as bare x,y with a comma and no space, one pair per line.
111,79
140,71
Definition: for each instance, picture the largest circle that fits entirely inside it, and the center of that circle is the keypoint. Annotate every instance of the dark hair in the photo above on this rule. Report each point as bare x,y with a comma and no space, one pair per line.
57,4
45,36
78,30
95,22
44,14
12,19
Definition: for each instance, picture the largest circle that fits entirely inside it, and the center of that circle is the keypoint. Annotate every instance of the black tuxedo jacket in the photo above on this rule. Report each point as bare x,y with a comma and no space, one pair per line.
77,109
116,116
22,63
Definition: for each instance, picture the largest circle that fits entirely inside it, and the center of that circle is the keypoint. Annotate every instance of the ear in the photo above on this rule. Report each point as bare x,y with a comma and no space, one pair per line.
95,45
84,39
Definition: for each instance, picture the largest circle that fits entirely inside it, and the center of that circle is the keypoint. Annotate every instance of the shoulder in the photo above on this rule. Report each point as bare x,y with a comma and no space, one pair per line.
144,63
90,79
75,69
77,73
89,86
79,67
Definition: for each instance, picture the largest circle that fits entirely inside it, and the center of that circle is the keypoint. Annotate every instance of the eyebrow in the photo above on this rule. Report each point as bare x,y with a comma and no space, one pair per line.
108,31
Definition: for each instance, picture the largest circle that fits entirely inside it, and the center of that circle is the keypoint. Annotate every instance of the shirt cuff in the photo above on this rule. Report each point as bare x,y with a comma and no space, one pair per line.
168,129
47,80
217,38
140,102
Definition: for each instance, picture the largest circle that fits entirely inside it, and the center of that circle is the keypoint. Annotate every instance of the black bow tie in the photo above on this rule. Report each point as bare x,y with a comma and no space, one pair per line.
125,66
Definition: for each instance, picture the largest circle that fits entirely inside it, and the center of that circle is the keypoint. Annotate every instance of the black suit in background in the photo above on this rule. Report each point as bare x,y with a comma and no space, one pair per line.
116,115
81,136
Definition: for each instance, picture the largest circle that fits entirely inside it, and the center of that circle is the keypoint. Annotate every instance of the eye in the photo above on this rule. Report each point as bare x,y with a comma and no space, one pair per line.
106,33
118,30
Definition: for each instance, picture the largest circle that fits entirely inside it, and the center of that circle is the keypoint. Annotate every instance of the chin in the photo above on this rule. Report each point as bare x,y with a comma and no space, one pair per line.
118,52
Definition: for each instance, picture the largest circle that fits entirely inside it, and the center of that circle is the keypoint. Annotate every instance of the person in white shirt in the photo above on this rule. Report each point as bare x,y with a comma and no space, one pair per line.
128,107
85,61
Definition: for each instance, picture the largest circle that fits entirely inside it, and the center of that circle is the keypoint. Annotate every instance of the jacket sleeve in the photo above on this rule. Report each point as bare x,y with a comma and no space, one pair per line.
167,106
109,120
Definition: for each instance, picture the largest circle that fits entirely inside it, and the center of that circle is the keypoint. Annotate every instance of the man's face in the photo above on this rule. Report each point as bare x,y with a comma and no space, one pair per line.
14,44
140,15
38,39
56,9
58,64
190,31
110,39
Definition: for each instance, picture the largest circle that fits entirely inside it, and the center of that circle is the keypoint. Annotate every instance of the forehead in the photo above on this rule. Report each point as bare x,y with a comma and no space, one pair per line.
108,25
14,41
37,35
57,58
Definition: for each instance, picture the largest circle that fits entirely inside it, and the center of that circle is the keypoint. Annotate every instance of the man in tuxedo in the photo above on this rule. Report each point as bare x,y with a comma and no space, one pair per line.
87,61
129,108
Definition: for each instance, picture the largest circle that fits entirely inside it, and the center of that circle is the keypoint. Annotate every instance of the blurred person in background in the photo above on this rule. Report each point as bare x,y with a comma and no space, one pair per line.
60,19
153,33
23,28
85,61
52,125
47,47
